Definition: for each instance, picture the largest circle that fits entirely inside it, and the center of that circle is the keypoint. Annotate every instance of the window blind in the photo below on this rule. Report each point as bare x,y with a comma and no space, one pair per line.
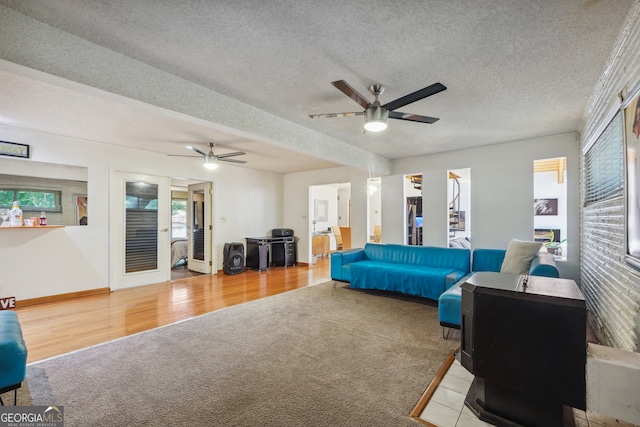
141,227
604,164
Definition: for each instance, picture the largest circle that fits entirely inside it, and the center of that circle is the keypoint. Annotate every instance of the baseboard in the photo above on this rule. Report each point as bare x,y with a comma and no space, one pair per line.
60,297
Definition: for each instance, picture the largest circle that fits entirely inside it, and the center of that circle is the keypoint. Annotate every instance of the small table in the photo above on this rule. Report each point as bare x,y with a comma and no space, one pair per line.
320,245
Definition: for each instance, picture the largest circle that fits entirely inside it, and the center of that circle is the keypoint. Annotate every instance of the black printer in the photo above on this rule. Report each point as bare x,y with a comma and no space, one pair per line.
282,232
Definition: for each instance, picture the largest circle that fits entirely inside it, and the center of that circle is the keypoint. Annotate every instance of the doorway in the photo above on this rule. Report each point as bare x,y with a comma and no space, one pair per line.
199,227
329,219
459,207
191,225
413,209
550,205
374,209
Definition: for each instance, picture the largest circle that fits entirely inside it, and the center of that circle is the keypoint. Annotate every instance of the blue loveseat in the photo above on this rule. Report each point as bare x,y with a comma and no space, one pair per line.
417,270
450,301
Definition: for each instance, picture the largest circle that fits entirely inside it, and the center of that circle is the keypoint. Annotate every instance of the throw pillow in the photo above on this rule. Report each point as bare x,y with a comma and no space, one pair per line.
455,243
519,255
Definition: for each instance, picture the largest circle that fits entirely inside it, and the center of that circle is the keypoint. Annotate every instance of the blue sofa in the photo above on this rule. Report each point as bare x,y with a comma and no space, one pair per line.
450,301
417,270
13,354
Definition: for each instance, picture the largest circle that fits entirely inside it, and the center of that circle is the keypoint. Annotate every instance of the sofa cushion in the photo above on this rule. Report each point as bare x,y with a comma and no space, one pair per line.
428,282
543,264
449,305
341,263
455,258
488,259
518,257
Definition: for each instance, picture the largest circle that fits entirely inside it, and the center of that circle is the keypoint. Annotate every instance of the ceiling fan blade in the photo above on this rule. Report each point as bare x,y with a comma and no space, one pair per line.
190,147
182,155
235,153
332,115
415,96
412,117
232,160
345,88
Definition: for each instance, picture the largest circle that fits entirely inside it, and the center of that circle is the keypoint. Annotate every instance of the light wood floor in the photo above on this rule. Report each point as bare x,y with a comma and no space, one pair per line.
59,327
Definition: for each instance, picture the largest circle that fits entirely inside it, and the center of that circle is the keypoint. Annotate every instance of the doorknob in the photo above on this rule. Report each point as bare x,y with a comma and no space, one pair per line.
164,230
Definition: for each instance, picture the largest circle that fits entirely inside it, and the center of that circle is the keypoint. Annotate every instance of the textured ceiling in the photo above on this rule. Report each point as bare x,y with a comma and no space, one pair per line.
514,69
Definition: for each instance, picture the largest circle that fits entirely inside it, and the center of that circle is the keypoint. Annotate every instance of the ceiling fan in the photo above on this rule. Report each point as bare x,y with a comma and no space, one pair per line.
211,160
375,114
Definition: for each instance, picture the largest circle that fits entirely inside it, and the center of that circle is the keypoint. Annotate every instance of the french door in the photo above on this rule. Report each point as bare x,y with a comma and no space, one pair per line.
140,224
199,228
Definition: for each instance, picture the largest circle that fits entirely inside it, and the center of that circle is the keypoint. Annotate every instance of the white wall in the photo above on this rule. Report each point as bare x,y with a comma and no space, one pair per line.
36,263
344,200
394,209
501,193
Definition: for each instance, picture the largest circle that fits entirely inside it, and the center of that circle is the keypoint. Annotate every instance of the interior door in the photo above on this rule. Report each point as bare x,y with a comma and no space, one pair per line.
199,227
141,218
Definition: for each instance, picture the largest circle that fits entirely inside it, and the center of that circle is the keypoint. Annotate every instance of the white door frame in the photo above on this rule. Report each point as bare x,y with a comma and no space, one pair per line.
119,278
206,265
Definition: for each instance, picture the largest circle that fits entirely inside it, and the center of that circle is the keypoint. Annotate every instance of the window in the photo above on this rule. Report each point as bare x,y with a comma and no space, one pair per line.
57,197
141,227
31,200
604,164
179,218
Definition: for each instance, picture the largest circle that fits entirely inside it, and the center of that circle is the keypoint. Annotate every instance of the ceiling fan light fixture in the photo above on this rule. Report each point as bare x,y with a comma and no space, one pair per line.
375,119
210,162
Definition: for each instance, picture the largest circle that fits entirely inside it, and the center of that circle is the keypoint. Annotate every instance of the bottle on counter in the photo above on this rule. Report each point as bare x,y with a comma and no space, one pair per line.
16,215
43,219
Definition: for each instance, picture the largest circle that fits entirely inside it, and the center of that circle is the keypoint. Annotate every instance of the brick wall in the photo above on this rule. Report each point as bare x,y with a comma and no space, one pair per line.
611,287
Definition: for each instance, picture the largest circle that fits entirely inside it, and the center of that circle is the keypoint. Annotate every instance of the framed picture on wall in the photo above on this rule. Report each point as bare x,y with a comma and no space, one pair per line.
632,192
321,210
545,206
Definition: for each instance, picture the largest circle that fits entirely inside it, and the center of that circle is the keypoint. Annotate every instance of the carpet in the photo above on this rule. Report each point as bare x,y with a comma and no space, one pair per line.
316,356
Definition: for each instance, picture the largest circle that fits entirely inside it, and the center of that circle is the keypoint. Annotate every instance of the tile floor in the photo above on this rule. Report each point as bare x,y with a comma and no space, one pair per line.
446,407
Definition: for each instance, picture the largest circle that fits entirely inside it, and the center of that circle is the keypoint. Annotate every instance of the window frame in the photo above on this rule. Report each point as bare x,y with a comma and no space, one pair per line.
57,196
